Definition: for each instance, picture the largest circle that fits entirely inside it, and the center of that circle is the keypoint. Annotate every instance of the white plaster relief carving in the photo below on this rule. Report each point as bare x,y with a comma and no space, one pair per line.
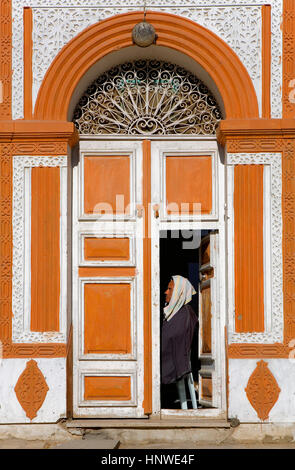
276,319
240,27
20,278
238,22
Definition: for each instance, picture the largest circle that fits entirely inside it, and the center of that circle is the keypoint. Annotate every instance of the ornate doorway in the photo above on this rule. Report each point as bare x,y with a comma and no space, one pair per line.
142,125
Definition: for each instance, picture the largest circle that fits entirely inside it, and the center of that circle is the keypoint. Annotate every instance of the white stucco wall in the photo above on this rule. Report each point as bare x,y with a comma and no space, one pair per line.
283,371
54,405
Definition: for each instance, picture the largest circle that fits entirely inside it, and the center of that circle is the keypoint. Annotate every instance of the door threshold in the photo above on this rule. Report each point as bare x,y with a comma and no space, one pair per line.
148,423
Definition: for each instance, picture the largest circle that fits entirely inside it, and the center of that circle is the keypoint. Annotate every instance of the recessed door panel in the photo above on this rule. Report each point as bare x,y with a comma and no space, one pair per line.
189,183
106,178
107,388
105,249
107,318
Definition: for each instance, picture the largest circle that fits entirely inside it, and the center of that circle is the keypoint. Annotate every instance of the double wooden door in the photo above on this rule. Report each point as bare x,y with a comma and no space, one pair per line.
124,193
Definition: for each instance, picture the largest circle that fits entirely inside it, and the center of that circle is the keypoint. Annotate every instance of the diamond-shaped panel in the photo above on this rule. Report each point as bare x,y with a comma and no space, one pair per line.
262,390
31,389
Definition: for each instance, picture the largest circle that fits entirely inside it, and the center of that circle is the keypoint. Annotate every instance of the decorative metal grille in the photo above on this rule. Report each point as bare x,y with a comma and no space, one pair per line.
147,97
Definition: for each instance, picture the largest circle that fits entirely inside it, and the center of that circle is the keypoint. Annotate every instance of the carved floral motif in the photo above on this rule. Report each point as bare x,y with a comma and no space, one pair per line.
237,22
31,389
5,60
262,390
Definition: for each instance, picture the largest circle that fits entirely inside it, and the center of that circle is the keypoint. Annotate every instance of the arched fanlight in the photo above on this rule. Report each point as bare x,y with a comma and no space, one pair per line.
147,97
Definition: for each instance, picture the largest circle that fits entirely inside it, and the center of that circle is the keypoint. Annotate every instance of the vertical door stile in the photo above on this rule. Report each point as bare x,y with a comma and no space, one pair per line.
147,276
207,319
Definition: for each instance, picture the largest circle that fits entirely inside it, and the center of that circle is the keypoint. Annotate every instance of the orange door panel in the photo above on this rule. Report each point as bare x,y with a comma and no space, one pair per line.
105,177
107,388
96,249
107,318
108,377
189,181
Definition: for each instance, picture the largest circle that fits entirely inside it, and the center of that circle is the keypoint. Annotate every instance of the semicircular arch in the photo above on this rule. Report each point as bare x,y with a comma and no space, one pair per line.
181,34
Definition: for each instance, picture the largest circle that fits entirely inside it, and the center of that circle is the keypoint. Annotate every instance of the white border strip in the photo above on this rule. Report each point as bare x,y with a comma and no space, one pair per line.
21,222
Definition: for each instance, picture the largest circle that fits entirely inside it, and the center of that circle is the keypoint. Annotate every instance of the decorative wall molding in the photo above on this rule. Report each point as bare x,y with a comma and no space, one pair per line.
274,319
288,58
18,350
5,59
237,22
31,389
262,390
21,249
284,143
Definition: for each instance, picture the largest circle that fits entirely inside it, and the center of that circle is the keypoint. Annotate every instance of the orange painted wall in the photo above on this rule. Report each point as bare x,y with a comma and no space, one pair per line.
249,276
45,249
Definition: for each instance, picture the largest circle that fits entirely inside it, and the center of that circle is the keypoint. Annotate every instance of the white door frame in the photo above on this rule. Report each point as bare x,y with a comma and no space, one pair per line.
215,222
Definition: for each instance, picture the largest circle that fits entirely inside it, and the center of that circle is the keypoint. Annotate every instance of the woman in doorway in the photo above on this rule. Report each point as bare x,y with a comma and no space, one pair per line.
178,329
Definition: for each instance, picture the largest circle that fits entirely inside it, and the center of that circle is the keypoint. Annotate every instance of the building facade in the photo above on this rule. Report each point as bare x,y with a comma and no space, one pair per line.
91,122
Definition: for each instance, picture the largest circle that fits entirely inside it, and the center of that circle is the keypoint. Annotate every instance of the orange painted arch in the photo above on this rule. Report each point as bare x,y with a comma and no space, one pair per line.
112,34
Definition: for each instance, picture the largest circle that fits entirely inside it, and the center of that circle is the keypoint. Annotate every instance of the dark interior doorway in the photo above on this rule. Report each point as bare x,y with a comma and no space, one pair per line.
179,254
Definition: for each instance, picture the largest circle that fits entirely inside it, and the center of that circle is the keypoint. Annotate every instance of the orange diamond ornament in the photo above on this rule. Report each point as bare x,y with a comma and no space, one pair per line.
31,389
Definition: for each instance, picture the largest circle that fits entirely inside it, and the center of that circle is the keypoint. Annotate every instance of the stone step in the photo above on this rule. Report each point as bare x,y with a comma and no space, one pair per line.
147,423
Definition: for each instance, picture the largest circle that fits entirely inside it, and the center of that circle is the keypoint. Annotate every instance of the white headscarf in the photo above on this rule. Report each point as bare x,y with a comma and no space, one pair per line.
181,295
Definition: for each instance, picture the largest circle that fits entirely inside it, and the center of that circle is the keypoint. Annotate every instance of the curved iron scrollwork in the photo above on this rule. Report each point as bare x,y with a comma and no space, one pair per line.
149,97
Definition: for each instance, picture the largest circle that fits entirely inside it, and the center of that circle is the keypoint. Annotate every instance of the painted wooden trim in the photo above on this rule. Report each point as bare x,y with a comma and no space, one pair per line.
93,271
146,198
108,388
28,52
130,401
184,148
266,60
131,261
132,355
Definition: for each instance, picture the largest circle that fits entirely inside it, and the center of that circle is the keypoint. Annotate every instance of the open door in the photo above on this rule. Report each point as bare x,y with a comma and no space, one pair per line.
207,312
108,281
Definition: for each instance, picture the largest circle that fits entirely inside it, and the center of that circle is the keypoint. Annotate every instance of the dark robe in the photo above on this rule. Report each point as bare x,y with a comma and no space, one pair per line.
177,336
